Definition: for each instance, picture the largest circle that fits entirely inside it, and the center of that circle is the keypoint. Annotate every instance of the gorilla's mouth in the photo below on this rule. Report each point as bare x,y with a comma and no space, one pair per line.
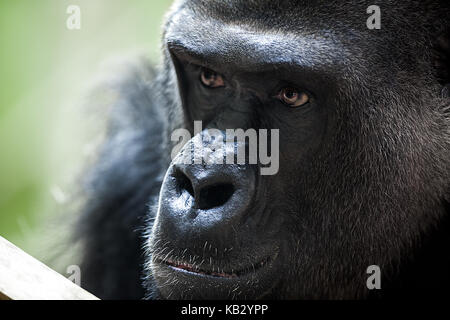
218,273
238,276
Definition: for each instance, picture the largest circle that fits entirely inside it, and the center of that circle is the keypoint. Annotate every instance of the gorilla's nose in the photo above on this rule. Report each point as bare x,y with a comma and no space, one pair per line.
209,190
205,201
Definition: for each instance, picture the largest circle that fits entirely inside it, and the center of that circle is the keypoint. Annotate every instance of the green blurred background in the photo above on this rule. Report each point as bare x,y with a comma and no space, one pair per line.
44,68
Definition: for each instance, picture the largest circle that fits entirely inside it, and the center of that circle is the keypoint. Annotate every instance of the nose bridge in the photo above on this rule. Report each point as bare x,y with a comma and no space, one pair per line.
209,146
239,112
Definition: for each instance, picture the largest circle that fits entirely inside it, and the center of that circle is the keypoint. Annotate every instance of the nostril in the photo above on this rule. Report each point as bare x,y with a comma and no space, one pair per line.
206,197
215,195
184,183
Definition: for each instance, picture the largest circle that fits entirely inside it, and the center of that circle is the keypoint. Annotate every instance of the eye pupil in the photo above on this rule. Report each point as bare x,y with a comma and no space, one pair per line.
211,79
209,75
290,94
293,97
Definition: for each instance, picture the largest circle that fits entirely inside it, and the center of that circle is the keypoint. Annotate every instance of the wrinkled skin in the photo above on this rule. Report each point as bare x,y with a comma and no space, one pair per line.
363,173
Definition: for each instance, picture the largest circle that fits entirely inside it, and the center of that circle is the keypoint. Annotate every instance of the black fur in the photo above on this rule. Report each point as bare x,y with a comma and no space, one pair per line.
374,191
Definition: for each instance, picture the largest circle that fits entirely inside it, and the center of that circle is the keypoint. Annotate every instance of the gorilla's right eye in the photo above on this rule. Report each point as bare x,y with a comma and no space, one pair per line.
293,97
211,79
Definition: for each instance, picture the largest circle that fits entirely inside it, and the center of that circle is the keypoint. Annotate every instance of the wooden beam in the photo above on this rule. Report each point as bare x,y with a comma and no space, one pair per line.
22,277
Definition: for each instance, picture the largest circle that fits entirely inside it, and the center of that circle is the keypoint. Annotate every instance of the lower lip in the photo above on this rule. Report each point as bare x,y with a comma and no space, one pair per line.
247,271
175,282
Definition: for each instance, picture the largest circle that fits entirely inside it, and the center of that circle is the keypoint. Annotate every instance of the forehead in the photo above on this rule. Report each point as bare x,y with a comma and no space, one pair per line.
315,34
276,32
277,14
305,23
337,16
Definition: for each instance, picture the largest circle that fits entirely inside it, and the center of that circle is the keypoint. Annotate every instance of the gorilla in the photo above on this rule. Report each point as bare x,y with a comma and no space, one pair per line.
363,179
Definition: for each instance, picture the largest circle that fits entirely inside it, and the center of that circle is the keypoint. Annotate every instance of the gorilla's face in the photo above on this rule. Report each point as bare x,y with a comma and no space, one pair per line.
349,190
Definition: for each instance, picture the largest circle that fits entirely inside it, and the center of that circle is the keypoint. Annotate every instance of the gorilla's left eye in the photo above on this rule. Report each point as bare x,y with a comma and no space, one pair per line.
293,97
211,79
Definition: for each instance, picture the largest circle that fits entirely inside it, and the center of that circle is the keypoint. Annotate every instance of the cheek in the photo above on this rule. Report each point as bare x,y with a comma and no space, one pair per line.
300,142
203,107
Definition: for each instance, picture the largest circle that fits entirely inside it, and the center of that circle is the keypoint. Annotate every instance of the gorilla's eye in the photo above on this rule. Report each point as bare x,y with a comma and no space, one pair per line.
211,79
293,97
